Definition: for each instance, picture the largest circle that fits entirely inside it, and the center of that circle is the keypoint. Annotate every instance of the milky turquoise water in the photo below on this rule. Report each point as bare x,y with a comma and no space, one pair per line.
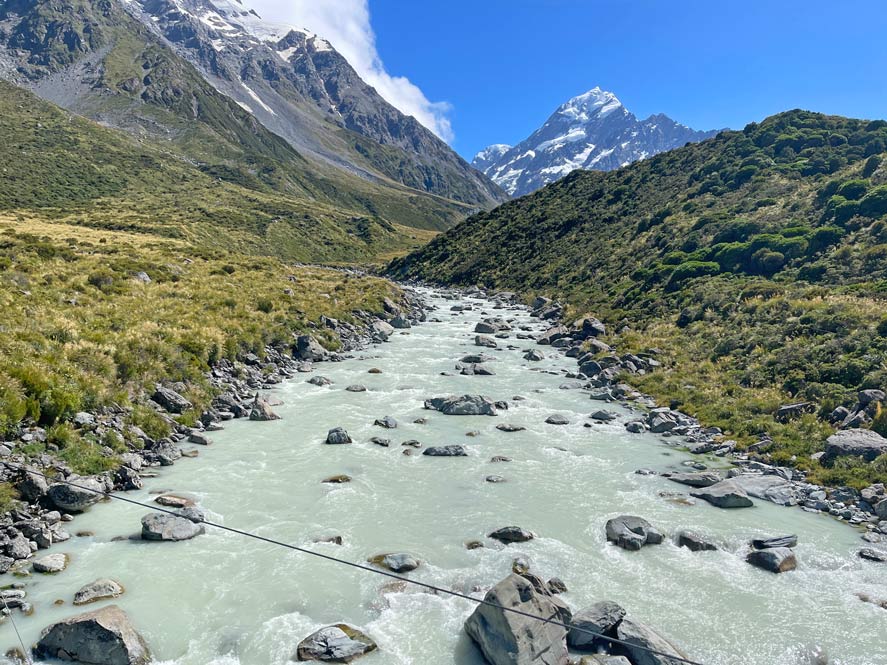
222,599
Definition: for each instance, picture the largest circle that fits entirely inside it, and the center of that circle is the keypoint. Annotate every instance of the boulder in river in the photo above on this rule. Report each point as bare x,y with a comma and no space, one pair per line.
51,563
639,638
337,436
397,562
172,528
102,637
557,419
506,638
591,626
863,443
319,381
388,422
505,427
101,589
878,556
454,450
486,342
76,497
340,643
725,494
632,533
511,534
534,355
464,405
775,559
694,542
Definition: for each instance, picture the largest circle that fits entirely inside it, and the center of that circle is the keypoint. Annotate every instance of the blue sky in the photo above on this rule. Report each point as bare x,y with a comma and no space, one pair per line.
505,65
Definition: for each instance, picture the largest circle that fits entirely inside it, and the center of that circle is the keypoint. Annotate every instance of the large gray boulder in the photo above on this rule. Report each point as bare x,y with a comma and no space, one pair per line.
767,487
454,450
464,405
632,533
725,494
51,563
261,411
102,637
335,644
308,348
73,499
511,534
589,625
381,330
506,638
640,638
337,436
862,443
166,527
170,400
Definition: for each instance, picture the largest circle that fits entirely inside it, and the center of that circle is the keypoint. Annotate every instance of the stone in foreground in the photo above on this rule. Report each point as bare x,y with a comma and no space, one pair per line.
506,638
335,644
101,589
632,533
593,622
725,494
776,559
639,639
102,637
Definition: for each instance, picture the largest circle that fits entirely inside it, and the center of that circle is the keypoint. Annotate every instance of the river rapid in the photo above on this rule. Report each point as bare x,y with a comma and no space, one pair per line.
222,599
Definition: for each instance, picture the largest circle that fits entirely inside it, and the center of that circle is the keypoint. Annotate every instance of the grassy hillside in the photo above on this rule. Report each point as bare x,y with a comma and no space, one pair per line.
756,261
81,331
69,168
135,83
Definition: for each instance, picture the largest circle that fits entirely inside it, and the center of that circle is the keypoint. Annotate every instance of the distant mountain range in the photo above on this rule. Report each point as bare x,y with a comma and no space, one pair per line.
591,131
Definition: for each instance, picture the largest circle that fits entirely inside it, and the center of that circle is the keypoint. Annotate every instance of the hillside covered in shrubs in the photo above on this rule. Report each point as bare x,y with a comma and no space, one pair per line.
756,262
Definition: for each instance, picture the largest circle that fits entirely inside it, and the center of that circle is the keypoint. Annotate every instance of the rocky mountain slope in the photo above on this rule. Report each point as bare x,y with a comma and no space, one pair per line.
112,62
753,262
591,131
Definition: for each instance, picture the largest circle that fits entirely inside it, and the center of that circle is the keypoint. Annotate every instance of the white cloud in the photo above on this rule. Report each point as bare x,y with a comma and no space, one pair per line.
346,25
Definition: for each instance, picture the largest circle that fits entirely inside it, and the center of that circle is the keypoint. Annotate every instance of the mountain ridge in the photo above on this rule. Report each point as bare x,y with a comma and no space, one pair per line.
590,131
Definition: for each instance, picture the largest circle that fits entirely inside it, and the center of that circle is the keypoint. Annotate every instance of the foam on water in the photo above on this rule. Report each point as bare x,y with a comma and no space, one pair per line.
221,599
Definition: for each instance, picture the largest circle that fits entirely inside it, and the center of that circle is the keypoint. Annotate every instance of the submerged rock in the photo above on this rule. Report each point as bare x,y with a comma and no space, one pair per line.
103,637
446,451
632,533
101,589
340,643
506,638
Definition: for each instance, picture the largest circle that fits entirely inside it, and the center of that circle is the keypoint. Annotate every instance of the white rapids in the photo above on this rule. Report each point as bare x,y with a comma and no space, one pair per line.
223,599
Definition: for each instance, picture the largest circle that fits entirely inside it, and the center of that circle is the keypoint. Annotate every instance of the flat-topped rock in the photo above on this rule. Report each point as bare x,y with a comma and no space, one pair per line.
701,479
462,405
725,494
172,528
101,589
51,563
862,443
102,637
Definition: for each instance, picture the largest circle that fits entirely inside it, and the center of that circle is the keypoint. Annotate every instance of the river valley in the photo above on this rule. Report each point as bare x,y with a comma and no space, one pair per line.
221,599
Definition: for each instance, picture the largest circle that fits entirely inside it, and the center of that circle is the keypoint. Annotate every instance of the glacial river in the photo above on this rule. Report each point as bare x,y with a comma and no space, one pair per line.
222,599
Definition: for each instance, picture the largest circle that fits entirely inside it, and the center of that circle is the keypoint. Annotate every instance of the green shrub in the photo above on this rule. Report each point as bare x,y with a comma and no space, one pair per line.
8,497
150,422
692,269
874,204
853,190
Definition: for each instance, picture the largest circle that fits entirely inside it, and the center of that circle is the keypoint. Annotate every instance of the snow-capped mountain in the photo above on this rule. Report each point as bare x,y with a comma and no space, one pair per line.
591,131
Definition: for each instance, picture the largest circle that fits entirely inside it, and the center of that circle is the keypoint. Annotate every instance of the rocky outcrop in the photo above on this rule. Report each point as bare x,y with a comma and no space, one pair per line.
632,533
340,643
464,405
506,638
102,637
170,400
